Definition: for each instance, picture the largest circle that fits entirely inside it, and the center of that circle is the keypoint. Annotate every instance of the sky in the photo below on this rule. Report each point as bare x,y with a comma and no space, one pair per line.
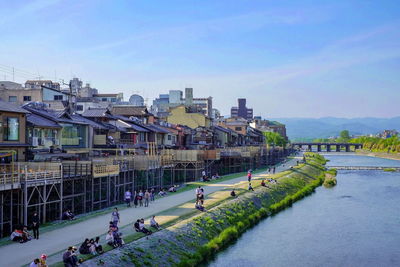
288,58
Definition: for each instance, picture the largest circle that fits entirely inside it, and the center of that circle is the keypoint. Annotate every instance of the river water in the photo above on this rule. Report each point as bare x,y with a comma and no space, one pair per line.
356,223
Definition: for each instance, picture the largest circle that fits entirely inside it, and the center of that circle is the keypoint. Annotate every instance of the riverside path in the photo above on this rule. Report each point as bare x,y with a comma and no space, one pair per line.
54,242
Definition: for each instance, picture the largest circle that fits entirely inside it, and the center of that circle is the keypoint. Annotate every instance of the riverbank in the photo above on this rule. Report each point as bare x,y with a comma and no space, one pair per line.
394,156
197,239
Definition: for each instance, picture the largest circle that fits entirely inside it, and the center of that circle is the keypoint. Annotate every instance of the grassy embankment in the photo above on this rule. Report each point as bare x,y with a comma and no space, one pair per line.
197,239
242,216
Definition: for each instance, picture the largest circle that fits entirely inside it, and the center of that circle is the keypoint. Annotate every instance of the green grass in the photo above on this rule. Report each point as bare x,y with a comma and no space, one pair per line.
389,169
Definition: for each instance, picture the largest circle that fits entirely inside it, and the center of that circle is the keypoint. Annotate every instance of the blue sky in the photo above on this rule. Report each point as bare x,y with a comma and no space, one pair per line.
288,58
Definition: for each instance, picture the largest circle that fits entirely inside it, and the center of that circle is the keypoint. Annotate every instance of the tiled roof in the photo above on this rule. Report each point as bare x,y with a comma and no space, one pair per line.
40,121
96,113
10,107
129,111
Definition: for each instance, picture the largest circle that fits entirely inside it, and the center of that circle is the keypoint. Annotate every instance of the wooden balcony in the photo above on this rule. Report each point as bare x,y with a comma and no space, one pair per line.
105,170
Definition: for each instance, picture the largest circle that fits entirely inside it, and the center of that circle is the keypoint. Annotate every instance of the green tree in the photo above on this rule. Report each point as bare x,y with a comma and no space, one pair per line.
344,136
276,139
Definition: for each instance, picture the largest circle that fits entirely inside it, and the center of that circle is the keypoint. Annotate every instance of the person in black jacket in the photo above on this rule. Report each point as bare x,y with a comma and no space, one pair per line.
35,225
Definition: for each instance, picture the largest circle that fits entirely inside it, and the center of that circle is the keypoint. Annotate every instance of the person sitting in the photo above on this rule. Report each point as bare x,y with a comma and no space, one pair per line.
144,229
250,187
154,224
35,263
263,183
233,193
217,176
16,236
137,225
92,247
67,258
99,248
162,193
206,179
172,189
43,259
118,241
85,247
110,239
25,234
112,226
68,215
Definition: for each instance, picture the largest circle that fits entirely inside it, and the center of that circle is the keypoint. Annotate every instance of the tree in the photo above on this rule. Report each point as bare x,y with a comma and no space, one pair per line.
344,136
272,138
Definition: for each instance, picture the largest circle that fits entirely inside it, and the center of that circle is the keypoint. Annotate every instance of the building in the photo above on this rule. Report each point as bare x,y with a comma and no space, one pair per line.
182,115
46,92
241,110
76,85
141,113
110,98
37,84
13,141
174,98
388,133
269,126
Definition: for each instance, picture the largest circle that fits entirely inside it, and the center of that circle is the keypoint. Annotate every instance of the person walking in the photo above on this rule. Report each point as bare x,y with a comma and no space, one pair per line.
146,198
135,199
115,217
128,196
152,194
273,171
140,198
35,225
249,176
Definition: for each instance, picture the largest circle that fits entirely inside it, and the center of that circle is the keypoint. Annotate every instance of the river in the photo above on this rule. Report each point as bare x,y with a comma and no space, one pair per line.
356,223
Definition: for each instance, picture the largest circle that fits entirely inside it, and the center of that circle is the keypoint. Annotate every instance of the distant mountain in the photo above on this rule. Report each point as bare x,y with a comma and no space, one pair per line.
309,128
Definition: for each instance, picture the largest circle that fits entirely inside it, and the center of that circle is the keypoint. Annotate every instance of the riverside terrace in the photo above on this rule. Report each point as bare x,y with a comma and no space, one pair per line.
50,188
328,146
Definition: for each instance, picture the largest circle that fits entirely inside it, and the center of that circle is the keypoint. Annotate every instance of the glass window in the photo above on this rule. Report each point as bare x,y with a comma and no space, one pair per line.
79,107
238,128
11,129
12,99
27,98
113,100
104,99
58,97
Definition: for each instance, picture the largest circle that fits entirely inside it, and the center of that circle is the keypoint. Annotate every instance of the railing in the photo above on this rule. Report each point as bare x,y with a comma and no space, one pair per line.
70,141
145,162
188,155
214,154
76,168
105,170
29,171
100,139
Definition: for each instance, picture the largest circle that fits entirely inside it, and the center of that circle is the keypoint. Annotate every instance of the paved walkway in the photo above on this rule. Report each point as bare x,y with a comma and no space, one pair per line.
57,240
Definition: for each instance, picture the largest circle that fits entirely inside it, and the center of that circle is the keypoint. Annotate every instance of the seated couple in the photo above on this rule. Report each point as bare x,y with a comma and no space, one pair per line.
21,236
139,227
91,246
114,239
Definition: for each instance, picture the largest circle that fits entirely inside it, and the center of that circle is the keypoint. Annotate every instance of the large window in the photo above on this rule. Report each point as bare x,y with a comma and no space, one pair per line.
11,129
12,99
79,107
27,98
58,97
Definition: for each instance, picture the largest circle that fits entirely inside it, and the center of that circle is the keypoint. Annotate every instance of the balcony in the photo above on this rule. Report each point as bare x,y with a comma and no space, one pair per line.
105,170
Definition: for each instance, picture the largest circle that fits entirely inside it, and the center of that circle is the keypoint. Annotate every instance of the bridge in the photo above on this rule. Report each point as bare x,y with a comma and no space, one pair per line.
359,168
328,146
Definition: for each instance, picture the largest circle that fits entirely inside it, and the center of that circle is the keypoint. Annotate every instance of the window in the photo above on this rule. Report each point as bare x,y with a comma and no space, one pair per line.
27,98
11,129
12,99
113,99
79,107
58,97
238,128
104,99
169,137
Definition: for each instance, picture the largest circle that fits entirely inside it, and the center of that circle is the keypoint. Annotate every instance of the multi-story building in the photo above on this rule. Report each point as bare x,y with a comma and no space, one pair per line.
269,126
174,98
36,91
241,110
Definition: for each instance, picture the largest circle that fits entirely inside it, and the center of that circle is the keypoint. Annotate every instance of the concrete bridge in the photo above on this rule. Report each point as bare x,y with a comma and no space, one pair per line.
328,146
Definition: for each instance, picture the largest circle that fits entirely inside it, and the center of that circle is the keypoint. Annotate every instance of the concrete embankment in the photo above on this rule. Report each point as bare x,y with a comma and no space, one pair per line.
197,239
